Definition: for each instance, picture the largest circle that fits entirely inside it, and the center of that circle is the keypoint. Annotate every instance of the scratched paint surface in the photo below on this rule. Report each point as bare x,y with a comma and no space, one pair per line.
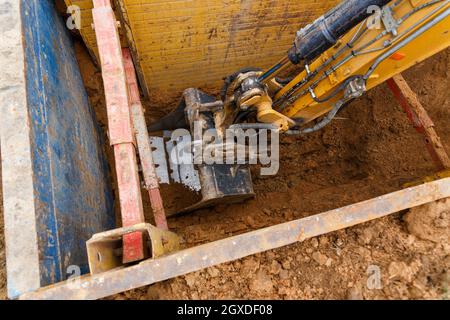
72,192
195,43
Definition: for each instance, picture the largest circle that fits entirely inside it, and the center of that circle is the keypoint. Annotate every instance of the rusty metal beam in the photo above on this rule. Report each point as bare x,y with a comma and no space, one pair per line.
211,254
143,143
121,132
420,120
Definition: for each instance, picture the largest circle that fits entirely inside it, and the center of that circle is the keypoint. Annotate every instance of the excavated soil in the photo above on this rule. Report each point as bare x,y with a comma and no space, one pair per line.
370,150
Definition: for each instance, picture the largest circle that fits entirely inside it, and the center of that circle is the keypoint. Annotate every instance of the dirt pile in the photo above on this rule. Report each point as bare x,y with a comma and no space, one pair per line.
430,222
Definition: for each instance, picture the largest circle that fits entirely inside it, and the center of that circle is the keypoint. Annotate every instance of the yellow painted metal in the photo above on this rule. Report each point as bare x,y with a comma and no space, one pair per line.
265,113
195,43
431,42
440,175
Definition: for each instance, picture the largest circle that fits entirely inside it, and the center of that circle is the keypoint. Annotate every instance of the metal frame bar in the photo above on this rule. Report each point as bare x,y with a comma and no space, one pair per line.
121,132
420,120
143,143
211,254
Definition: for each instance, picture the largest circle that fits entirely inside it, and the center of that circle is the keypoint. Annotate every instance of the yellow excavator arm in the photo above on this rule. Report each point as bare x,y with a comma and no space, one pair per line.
337,58
392,37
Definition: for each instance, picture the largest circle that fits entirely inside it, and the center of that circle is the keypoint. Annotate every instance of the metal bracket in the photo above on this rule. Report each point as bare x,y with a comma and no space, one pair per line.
355,89
389,21
105,249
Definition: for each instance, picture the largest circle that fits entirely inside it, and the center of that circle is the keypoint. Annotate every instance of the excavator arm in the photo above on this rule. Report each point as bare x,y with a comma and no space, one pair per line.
388,38
337,58
351,49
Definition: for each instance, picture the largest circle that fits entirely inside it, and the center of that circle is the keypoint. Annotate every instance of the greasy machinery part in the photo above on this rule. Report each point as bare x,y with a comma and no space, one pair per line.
274,70
143,143
377,54
250,94
323,33
222,251
220,183
420,120
121,132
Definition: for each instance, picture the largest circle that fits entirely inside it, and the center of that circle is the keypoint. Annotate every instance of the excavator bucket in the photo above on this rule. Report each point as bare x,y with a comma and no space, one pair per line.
174,159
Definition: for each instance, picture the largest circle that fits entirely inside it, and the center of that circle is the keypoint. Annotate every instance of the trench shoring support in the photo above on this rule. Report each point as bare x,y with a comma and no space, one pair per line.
234,248
143,141
121,132
420,119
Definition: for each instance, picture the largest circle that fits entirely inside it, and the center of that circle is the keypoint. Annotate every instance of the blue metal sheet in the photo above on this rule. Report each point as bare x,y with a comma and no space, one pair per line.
73,197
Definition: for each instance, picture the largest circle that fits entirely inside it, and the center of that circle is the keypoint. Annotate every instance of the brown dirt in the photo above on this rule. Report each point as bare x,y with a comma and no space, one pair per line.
369,151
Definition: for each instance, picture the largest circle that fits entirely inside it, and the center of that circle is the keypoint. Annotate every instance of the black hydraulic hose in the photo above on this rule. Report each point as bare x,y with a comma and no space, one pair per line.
336,91
322,124
273,70
336,109
284,81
